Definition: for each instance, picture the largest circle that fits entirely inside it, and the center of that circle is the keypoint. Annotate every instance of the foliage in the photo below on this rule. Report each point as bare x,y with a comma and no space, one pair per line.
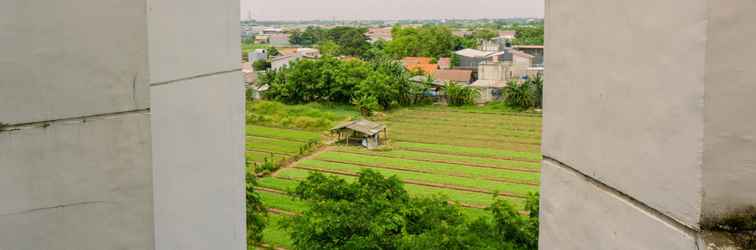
459,95
341,40
430,41
528,35
332,80
261,65
366,104
377,213
266,167
484,34
536,85
256,213
310,36
525,95
518,95
272,51
313,116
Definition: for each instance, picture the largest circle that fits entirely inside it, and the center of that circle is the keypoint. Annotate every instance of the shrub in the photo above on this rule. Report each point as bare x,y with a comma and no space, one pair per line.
459,95
518,95
366,104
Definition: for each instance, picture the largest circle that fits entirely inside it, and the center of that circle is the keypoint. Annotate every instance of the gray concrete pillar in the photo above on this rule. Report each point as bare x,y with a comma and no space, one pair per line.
121,125
649,127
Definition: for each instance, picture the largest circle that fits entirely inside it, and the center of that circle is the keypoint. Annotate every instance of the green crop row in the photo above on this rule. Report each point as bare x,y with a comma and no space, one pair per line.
428,167
274,145
472,151
462,182
280,133
449,158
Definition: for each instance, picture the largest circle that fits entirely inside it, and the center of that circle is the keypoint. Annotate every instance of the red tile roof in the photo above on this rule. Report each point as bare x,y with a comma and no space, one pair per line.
456,75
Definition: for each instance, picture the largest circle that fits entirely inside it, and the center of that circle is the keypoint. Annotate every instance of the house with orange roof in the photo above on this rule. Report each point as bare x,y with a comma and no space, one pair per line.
420,63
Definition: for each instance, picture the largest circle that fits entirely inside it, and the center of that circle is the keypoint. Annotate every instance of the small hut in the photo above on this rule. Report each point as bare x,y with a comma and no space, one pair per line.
364,131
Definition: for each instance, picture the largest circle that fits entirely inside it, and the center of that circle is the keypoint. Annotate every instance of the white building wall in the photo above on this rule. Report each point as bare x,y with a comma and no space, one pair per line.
656,123
121,125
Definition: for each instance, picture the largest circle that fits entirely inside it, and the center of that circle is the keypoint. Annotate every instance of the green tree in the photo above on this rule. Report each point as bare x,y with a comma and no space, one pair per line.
261,65
430,41
375,212
528,35
518,95
257,215
484,34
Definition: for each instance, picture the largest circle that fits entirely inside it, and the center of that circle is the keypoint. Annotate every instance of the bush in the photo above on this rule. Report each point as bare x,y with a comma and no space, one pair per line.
257,214
367,105
459,95
518,95
261,65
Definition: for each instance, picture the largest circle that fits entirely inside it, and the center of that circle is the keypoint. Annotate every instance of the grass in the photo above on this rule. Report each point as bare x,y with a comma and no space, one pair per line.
470,151
449,158
274,235
278,133
313,117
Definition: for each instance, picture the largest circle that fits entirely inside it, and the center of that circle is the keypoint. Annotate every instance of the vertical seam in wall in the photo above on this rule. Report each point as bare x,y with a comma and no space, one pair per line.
691,230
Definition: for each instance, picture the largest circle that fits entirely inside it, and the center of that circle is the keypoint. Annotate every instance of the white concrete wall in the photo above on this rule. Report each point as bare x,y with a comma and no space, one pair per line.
197,99
661,124
729,161
81,143
80,178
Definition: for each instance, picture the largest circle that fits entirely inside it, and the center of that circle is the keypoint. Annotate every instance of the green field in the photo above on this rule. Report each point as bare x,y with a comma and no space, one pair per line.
275,144
463,154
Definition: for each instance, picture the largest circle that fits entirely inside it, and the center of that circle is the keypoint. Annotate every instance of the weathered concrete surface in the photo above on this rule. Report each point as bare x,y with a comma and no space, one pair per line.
729,161
49,56
576,214
77,185
198,145
190,38
655,100
624,100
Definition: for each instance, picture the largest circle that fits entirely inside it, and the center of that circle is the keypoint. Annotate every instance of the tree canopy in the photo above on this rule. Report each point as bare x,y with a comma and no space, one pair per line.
375,212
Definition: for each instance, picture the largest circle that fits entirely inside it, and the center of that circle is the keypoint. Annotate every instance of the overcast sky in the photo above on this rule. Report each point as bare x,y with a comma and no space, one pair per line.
389,9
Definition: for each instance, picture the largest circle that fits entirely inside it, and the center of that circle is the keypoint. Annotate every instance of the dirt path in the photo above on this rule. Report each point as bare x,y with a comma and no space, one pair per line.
325,147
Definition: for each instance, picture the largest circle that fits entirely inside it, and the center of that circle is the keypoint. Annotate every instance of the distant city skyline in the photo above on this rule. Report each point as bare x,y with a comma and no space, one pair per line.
294,10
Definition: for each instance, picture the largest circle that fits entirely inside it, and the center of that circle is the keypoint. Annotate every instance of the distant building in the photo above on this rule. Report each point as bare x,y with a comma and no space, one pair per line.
420,63
283,61
444,63
258,54
364,131
308,52
379,34
494,76
459,76
470,58
534,50
507,34
279,40
262,39
270,31
461,33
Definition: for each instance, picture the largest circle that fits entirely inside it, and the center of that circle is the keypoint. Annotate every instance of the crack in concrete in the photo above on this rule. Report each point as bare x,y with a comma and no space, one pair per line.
691,230
82,119
194,77
55,207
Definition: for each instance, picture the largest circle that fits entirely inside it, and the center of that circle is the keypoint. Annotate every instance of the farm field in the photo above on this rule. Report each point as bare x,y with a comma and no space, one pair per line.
275,144
467,156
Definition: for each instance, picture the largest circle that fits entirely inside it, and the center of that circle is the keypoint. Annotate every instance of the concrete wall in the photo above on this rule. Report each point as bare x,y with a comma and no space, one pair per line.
78,176
657,122
121,125
198,125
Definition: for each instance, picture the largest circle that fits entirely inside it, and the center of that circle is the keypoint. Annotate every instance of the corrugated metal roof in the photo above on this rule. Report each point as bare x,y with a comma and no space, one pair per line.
472,53
362,126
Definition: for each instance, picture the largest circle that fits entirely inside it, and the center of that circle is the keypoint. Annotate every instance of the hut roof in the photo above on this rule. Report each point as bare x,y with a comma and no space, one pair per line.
362,126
